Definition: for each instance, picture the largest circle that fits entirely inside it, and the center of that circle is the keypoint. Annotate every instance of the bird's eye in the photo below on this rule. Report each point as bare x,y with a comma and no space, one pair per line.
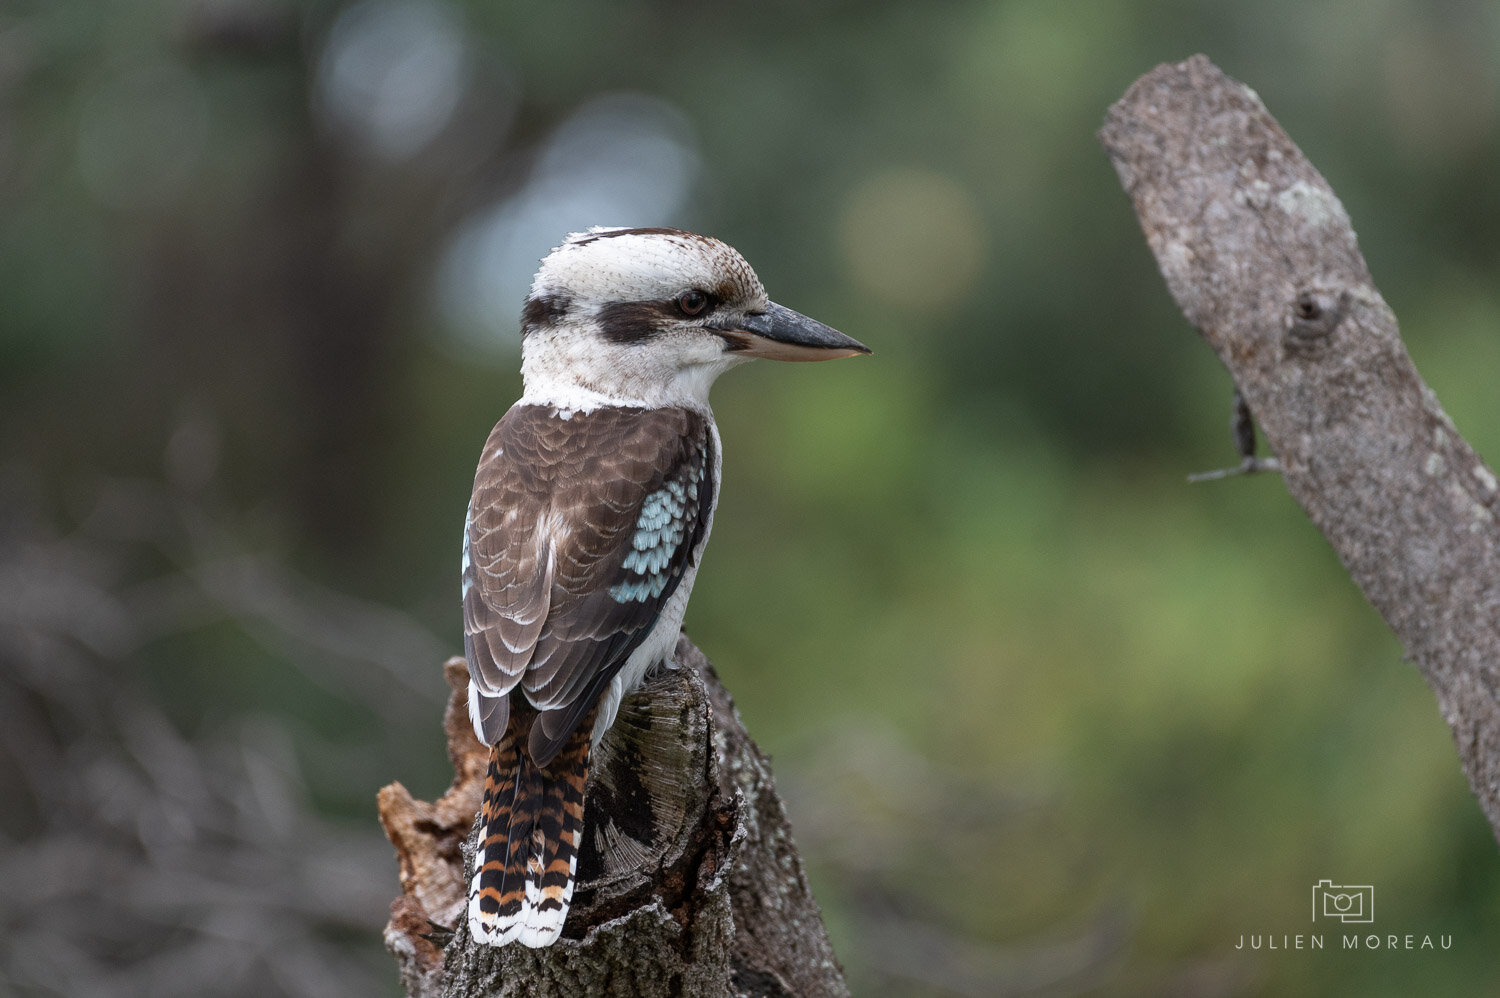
692,302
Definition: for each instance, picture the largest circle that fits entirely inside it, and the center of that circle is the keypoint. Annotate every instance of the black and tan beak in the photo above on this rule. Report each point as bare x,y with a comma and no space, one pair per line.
778,333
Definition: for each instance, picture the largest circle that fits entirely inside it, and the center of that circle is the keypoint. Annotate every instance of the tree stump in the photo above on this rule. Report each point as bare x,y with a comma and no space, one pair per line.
689,881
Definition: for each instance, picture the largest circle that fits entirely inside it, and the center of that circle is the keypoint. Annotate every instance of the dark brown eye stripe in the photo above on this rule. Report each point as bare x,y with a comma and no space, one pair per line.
544,311
638,321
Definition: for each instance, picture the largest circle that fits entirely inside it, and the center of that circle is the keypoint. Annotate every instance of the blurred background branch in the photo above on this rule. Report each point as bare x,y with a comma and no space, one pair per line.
140,860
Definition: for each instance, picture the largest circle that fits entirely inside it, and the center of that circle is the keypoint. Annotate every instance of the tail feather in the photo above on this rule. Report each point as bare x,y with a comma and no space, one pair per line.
528,858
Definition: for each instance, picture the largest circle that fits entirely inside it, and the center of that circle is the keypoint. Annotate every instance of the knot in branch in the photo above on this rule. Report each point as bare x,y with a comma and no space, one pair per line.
1315,314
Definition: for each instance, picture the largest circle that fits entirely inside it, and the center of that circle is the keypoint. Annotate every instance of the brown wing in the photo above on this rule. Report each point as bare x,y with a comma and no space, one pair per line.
507,562
579,532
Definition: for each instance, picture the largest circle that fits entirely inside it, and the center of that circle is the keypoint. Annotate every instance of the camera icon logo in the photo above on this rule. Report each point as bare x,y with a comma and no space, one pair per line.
1343,902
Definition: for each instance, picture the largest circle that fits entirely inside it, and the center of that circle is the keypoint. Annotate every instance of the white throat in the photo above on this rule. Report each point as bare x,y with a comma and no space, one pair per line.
575,368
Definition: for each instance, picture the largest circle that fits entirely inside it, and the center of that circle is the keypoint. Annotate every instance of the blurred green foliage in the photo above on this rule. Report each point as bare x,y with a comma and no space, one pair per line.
980,540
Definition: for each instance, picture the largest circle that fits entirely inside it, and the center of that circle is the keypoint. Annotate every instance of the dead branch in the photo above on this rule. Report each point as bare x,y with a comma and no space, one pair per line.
1260,255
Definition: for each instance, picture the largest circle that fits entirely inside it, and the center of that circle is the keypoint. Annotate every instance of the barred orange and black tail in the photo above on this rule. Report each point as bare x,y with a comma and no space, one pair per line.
528,854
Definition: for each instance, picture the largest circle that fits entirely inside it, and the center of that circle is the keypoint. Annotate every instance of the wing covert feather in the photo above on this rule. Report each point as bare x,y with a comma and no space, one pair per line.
578,533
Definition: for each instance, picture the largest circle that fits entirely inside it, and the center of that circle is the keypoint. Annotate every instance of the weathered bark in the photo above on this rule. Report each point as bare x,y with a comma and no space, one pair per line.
1260,255
689,881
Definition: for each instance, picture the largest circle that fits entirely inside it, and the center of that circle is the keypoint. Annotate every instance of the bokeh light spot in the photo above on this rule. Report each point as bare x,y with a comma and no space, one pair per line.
621,159
392,74
913,238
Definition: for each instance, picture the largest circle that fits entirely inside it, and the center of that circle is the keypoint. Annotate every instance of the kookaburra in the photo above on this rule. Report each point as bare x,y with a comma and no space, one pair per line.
591,506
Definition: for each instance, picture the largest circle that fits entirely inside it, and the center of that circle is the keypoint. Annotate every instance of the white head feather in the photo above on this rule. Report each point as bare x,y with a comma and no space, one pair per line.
599,285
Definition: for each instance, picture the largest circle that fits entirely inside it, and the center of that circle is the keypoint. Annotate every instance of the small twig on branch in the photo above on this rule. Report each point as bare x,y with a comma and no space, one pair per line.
1242,429
1247,466
1260,256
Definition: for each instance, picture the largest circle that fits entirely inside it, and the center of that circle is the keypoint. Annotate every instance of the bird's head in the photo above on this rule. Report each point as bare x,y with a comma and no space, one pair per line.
653,316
